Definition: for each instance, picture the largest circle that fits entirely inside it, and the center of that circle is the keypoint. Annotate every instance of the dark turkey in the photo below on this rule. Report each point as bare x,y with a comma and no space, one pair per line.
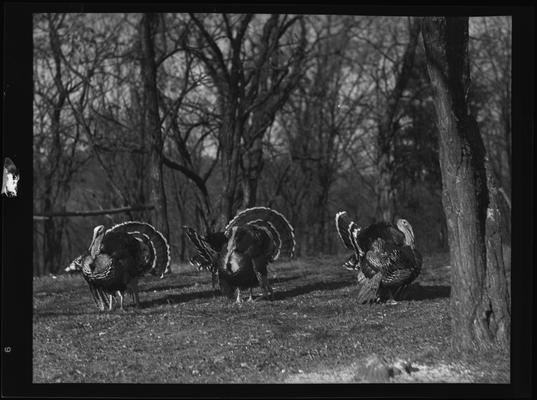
384,255
118,258
240,254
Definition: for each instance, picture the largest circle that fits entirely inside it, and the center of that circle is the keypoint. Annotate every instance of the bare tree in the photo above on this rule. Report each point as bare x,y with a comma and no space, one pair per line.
253,76
388,125
321,123
56,140
480,303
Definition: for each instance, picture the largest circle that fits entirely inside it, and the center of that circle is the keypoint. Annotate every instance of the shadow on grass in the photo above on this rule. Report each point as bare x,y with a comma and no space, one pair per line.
179,298
300,290
37,315
158,288
276,281
419,292
165,300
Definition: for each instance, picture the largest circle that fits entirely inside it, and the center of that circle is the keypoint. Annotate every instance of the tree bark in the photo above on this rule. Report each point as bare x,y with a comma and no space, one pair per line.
152,123
480,309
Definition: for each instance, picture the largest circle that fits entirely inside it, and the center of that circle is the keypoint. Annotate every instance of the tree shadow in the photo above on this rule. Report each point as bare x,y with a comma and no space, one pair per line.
276,281
300,290
419,292
179,298
38,315
159,288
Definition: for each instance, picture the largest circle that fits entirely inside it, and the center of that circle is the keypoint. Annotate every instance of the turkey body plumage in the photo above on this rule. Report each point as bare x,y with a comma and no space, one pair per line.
244,260
240,254
118,258
384,256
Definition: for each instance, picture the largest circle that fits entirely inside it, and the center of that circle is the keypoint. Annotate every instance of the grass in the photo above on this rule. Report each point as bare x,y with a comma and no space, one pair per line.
313,331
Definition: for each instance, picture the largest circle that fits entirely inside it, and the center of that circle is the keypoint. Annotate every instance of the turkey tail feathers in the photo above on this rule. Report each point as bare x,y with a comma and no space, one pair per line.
342,227
368,288
354,231
98,235
206,255
275,221
153,238
274,234
151,256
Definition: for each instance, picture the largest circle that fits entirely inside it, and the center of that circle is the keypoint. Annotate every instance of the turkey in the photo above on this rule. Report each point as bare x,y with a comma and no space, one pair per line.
240,254
118,258
384,255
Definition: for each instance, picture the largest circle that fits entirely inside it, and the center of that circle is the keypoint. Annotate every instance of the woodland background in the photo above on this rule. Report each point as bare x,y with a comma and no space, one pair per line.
182,119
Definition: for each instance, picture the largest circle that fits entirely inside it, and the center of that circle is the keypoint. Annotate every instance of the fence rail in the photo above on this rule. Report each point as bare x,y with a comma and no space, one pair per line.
92,212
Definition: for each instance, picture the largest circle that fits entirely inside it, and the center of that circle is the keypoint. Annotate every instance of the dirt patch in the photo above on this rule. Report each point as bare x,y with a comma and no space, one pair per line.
420,373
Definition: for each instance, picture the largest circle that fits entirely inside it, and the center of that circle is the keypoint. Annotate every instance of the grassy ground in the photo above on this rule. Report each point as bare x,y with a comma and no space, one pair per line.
313,331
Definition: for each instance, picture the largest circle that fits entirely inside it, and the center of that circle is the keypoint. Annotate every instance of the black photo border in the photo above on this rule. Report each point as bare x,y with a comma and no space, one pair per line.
17,222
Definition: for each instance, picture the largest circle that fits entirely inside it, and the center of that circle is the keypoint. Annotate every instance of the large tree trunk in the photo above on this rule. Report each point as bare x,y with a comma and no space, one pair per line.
152,124
480,306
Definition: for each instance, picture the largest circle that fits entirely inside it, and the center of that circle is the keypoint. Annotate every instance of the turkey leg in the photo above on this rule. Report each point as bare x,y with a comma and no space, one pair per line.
260,269
120,300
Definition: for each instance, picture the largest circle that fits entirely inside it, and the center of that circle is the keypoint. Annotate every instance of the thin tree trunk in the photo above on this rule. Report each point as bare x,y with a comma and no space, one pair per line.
231,132
179,199
320,221
53,186
385,189
140,158
51,243
480,312
152,123
253,160
387,129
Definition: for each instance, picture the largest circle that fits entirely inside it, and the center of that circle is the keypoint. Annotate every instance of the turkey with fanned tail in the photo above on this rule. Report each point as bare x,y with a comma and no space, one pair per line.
118,257
239,255
385,257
